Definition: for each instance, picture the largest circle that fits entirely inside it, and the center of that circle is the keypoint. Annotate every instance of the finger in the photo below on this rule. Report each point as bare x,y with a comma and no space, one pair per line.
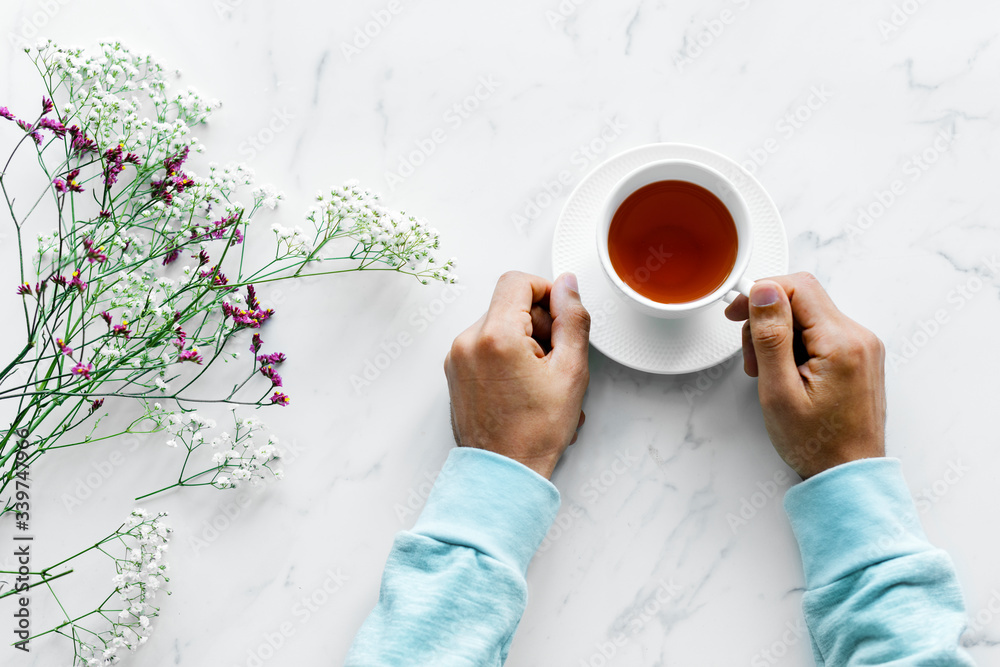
513,297
579,424
541,324
739,309
811,305
570,321
772,334
749,356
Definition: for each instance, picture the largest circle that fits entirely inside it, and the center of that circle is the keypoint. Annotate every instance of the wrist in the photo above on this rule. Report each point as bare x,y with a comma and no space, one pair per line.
544,465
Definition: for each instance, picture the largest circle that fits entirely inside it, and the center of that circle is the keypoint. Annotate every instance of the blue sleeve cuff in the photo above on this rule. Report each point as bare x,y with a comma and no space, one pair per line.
852,516
490,503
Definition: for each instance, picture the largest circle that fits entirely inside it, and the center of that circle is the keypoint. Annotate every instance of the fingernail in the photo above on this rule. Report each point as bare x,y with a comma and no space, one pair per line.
571,282
765,295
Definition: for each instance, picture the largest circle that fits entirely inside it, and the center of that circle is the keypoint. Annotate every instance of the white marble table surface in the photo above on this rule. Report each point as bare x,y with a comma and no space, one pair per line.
829,103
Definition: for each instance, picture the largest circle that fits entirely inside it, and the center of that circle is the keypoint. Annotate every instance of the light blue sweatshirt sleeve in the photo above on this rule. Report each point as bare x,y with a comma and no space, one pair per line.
454,588
877,592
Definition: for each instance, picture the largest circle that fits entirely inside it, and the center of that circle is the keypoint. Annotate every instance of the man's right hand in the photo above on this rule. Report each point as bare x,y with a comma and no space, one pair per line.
822,375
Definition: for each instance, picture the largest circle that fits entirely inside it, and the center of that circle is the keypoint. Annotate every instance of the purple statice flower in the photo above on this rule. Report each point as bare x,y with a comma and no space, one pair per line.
82,369
94,254
104,215
181,337
218,230
256,343
191,355
24,290
271,374
58,279
81,144
280,399
202,258
175,180
171,256
5,113
173,163
121,330
114,159
64,348
250,318
96,405
54,126
273,358
47,105
77,282
69,184
253,316
27,127
106,316
252,302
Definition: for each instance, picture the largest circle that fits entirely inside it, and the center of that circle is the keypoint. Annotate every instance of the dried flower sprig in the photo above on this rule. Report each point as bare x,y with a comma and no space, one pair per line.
123,619
135,280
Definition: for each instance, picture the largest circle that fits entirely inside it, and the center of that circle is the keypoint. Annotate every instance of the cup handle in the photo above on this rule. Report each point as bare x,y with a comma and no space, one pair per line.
742,287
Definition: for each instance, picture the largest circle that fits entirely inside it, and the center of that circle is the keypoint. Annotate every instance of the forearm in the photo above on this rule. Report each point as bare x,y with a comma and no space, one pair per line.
877,592
454,588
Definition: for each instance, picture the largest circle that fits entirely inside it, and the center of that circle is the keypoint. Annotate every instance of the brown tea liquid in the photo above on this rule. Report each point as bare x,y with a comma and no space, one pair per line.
673,241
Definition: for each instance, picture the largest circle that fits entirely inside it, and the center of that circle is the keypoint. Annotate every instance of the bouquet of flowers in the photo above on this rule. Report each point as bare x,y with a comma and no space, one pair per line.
135,280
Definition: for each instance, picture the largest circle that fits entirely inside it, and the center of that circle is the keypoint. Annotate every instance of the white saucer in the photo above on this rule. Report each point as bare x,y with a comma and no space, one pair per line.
617,329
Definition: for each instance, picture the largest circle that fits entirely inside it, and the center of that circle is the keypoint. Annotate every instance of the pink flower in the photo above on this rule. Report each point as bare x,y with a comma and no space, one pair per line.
181,337
171,256
5,113
280,399
253,316
54,126
81,144
96,405
115,159
46,105
24,290
274,358
107,317
175,179
219,278
94,254
269,373
256,343
76,282
82,369
64,348
70,184
27,127
191,355
252,302
120,330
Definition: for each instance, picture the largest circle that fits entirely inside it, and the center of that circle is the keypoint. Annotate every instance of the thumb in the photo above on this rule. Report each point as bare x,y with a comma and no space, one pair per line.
570,320
772,334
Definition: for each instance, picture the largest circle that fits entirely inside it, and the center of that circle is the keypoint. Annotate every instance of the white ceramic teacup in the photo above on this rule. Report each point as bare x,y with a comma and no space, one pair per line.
718,185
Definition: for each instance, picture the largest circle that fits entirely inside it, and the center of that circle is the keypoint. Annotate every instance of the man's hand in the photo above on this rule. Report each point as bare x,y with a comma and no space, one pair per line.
518,375
822,375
